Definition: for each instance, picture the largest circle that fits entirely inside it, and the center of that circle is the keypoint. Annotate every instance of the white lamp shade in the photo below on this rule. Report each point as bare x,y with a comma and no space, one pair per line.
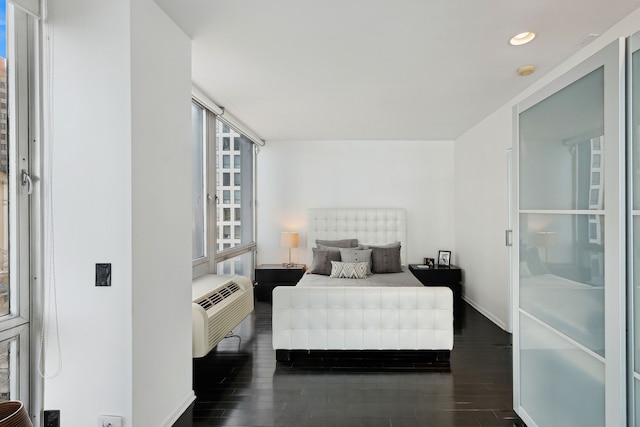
289,239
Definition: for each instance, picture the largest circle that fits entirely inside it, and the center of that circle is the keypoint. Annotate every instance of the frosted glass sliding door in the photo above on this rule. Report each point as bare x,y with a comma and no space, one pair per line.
633,127
569,324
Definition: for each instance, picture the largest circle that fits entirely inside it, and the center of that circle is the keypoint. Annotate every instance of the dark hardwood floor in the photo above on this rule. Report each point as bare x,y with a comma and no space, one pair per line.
240,383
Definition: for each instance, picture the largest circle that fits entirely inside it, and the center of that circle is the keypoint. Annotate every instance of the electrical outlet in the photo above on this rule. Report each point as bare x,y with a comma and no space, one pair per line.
52,418
109,421
103,274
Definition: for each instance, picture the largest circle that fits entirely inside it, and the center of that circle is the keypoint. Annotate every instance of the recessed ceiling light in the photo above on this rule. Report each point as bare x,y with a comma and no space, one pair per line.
522,38
526,70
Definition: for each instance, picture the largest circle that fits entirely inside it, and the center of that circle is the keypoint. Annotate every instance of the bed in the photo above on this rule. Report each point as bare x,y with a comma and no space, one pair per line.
382,312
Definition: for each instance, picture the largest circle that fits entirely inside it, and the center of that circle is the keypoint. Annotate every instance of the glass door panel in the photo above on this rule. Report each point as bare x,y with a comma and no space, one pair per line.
633,128
570,293
568,146
553,369
562,275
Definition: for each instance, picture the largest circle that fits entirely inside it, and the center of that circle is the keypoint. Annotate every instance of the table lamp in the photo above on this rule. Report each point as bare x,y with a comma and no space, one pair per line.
289,239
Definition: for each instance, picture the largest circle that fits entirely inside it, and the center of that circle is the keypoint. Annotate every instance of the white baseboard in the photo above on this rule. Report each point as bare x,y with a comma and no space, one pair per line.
180,410
486,313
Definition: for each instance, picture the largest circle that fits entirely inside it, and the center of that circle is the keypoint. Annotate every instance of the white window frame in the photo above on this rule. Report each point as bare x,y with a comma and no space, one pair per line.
209,263
25,218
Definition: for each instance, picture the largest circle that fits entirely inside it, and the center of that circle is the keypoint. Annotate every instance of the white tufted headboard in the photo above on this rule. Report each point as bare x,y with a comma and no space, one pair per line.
369,226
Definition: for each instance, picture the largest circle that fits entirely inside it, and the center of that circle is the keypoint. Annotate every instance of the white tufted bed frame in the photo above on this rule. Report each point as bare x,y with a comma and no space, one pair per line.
361,318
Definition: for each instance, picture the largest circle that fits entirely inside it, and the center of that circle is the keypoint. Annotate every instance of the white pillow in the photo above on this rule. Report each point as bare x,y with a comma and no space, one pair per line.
349,270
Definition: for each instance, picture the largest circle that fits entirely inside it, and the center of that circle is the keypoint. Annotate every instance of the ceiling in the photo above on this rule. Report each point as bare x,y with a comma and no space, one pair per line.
377,70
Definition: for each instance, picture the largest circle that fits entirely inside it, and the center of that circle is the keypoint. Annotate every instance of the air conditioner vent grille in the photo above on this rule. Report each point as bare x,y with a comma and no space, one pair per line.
220,303
218,296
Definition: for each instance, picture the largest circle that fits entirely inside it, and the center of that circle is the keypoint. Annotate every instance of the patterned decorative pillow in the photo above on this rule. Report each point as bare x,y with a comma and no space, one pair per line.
356,255
386,260
348,270
321,263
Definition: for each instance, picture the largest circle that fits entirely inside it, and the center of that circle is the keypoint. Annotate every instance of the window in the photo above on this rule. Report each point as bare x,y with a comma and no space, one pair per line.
18,239
236,251
242,178
223,174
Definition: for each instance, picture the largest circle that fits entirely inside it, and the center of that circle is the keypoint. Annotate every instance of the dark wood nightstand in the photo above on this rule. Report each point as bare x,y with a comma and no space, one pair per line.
268,276
441,276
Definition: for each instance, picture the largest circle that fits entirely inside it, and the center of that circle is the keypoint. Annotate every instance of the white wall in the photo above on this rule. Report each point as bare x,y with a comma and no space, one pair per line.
480,221
481,215
119,111
92,206
161,208
296,175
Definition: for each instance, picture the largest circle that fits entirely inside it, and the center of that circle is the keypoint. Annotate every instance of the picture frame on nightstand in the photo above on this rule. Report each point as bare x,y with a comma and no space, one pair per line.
429,262
444,258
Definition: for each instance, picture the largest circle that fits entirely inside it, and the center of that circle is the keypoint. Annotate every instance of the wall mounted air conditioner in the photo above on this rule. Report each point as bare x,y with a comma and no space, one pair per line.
220,303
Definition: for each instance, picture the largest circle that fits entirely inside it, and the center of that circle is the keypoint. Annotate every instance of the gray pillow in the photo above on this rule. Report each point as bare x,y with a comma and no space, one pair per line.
337,248
388,245
321,263
344,243
385,260
356,255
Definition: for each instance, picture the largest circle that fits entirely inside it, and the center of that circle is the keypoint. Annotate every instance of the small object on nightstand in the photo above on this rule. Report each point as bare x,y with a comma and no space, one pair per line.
444,258
429,262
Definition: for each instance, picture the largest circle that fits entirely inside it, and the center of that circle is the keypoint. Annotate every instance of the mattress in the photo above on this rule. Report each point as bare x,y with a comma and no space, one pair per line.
403,279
